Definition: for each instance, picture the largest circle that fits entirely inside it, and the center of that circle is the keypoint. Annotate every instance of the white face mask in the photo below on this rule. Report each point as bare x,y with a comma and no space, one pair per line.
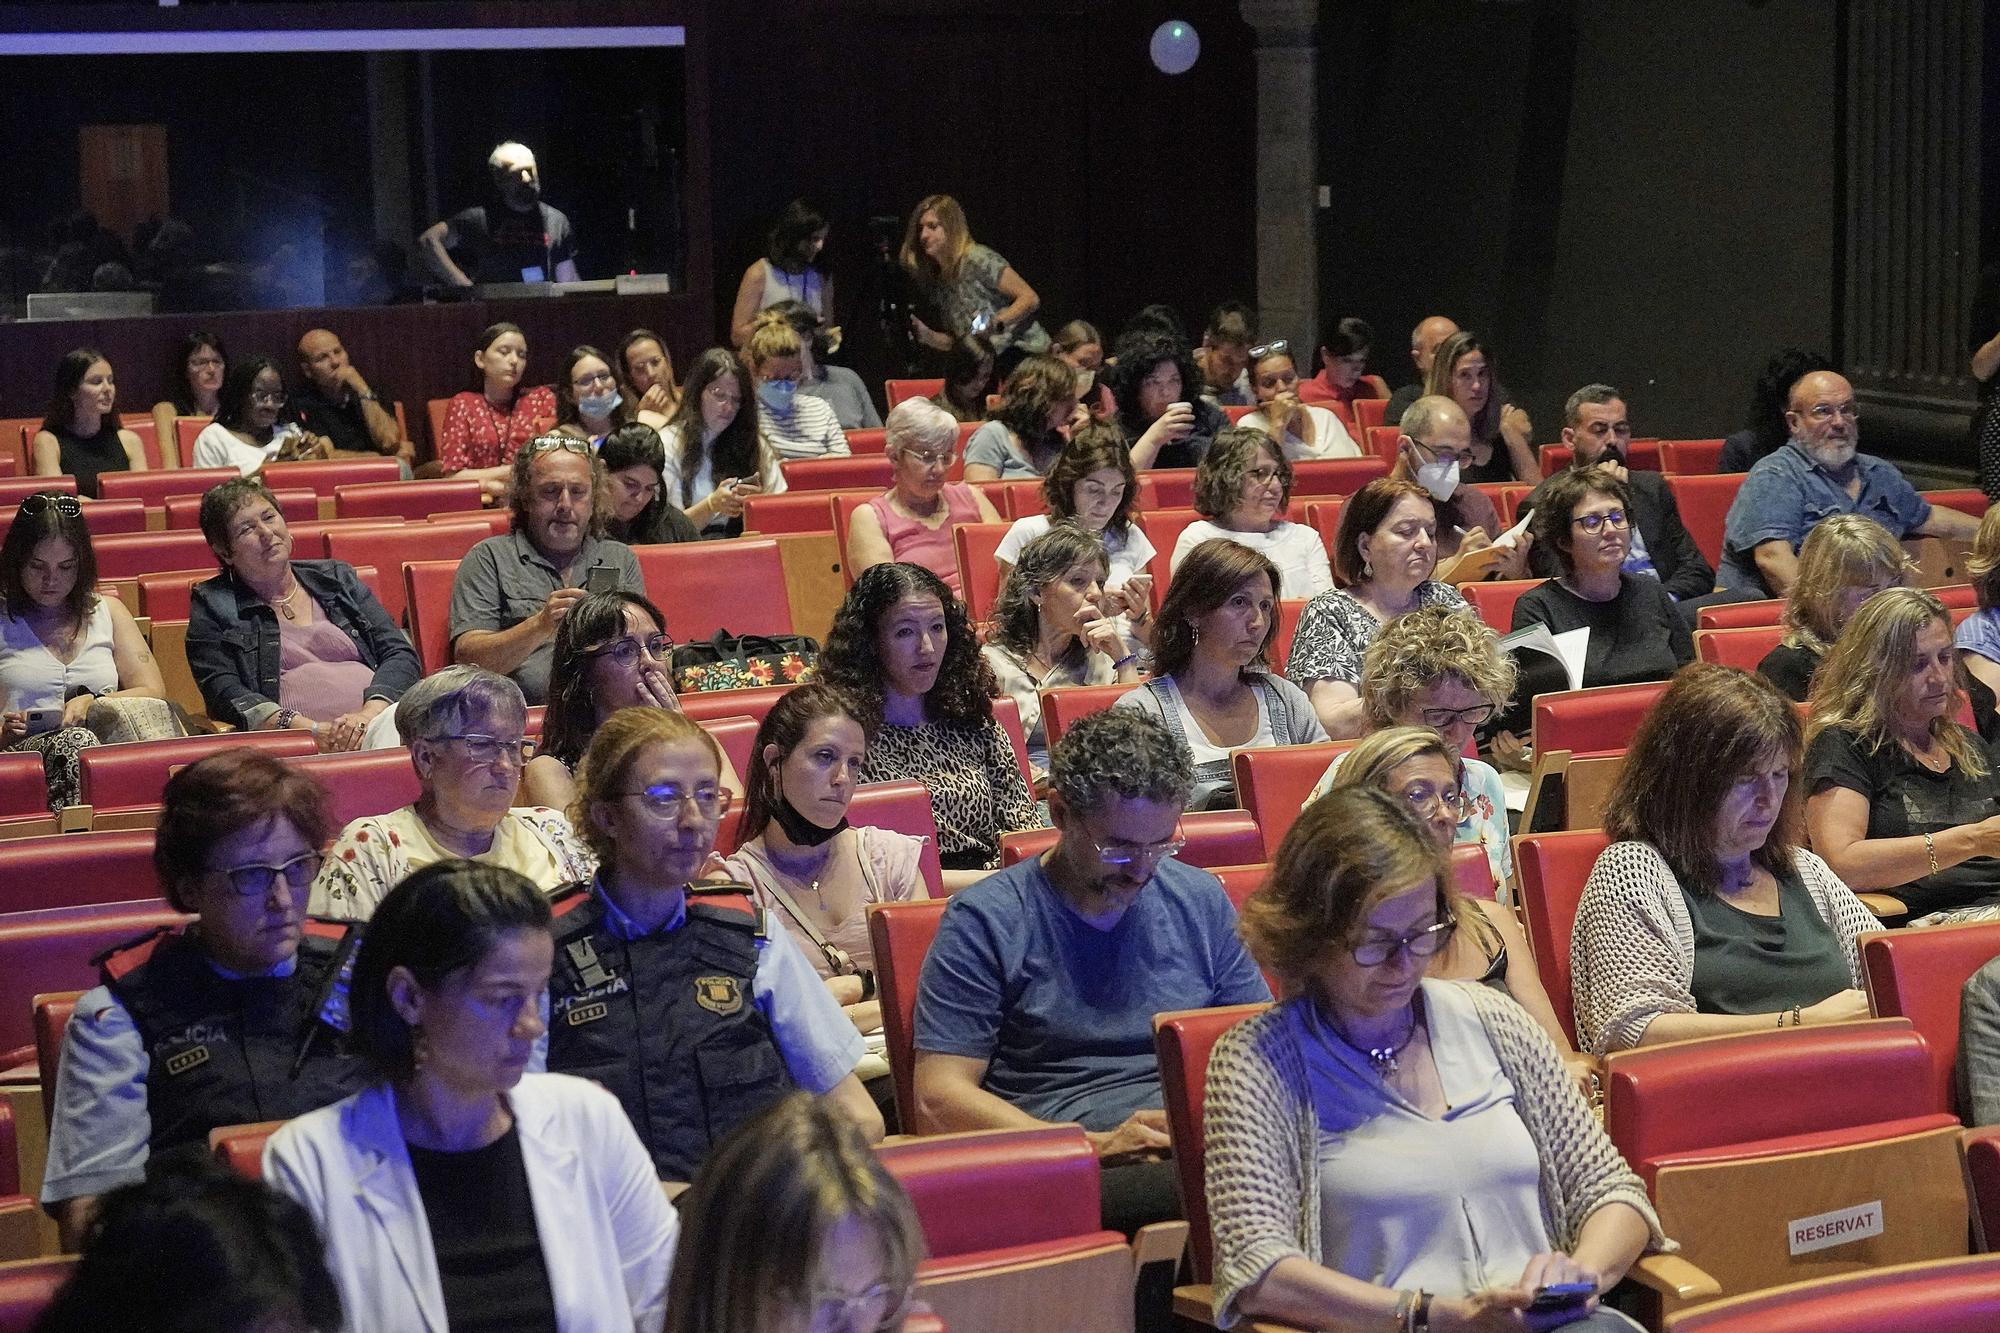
1085,380
1440,478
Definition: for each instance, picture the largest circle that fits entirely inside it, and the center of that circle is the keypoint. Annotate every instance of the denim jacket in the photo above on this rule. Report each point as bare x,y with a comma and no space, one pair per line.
233,642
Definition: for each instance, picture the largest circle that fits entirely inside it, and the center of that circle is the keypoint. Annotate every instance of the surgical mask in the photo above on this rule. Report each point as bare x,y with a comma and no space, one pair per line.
1440,478
1085,381
599,404
777,394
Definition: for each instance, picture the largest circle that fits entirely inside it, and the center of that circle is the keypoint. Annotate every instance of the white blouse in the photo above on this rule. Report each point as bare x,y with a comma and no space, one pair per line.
32,677
1295,548
217,446
1330,437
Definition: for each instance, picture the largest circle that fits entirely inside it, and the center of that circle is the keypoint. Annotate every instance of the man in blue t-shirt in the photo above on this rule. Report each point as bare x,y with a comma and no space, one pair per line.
1036,1001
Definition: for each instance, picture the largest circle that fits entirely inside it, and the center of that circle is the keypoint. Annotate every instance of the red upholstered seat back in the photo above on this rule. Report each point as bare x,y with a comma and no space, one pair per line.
978,574
154,487
1920,975
1335,476
1473,872
1370,412
1704,504
24,788
1163,528
1290,611
1695,457
127,555
50,950
707,705
789,511
1942,1296
389,547
1494,602
427,606
737,737
994,1189
363,783
13,490
895,391
129,777
1214,838
901,934
1601,720
414,500
858,472
706,586
906,808
241,1147
1742,615
326,475
1553,868
1742,648
1173,488
1273,781
26,1288
1183,1041
298,505
1065,705
65,870
52,1012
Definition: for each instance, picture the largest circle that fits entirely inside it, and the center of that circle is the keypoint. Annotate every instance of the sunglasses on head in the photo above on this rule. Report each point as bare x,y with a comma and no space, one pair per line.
66,505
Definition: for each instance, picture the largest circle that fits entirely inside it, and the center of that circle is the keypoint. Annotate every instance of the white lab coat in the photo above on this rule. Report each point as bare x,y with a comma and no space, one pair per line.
607,1230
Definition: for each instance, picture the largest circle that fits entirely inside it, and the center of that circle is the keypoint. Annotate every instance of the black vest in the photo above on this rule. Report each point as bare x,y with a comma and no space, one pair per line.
226,1051
667,1022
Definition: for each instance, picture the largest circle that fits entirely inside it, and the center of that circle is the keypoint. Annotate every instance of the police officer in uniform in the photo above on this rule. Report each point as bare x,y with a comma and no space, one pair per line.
680,998
236,1018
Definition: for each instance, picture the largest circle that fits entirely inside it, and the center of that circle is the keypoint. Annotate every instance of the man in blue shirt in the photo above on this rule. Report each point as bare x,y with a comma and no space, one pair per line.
1036,1001
1816,475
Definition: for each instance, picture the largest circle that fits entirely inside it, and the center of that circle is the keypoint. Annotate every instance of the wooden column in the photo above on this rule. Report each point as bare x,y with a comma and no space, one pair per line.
1287,168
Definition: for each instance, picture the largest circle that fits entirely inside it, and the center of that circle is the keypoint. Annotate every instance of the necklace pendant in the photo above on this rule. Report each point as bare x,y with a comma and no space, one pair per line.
1383,1058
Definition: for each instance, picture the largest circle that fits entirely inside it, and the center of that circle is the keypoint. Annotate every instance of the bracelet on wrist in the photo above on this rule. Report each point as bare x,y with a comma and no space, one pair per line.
1930,850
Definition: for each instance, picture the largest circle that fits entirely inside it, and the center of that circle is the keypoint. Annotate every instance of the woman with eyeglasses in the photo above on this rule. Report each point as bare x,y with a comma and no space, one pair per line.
1390,1149
1303,430
81,435
221,1022
463,1188
276,643
74,668
589,404
682,997
715,450
1241,490
913,520
194,385
1635,633
612,651
245,434
795,1226
466,728
1029,425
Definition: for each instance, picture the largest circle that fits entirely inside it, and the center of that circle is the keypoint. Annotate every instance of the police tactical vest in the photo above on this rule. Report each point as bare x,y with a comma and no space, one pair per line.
235,1051
667,1022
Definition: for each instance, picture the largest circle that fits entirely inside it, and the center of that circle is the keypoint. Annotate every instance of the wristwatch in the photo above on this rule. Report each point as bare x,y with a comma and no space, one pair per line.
287,716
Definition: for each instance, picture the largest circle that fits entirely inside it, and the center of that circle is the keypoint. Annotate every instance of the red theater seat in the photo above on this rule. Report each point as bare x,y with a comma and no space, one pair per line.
1184,1040
978,572
153,488
1214,838
70,869
1335,476
706,705
241,1147
1942,1296
412,500
867,440
1371,412
1024,499
1273,781
1553,868
1324,516
100,516
169,596
862,472
389,546
121,784
1494,602
1742,615
1980,1149
362,783
127,555
297,505
1290,611
788,511
737,738
24,796
1920,975
26,1288
51,950
1743,648
13,490
1163,528
1690,457
1173,487
1593,721
1704,504
1064,705
427,609
901,934
1008,714
325,475
707,586
1964,501
895,391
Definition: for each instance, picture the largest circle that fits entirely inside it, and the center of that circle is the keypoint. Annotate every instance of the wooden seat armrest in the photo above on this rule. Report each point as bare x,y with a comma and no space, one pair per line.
1158,1242
1196,1304
1671,1275
1883,905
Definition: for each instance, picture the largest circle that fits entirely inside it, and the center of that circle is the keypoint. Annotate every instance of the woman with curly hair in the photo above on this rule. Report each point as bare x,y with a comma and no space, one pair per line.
1845,560
1028,427
1053,625
1167,423
1241,489
902,649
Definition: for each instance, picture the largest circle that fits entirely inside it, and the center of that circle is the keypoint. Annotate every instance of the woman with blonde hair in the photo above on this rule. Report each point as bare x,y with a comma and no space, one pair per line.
794,425
1387,1149
794,1226
913,520
1845,560
1462,370
970,286
1900,798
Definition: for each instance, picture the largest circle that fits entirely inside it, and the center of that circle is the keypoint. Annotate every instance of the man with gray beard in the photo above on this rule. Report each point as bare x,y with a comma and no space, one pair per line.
1816,475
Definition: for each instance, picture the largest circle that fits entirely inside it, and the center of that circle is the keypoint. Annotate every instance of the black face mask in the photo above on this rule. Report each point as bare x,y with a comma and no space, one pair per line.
797,827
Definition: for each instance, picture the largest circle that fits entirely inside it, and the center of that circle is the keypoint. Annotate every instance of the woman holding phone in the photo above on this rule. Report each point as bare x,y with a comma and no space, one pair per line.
716,456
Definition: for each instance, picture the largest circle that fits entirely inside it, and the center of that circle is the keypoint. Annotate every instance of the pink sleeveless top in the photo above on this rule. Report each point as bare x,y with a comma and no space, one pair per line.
913,543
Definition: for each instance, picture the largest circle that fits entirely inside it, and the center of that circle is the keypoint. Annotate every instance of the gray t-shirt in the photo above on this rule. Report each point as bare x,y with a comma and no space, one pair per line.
504,580
842,390
977,292
993,445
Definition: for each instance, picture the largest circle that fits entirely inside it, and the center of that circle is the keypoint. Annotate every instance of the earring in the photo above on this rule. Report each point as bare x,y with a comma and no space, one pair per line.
1197,633
420,1048
1367,570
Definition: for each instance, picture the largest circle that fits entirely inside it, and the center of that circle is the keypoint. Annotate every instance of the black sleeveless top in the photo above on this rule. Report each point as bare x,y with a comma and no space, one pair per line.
84,458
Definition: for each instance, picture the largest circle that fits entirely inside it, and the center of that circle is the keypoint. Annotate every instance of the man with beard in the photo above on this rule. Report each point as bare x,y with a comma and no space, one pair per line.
1036,1001
1816,475
516,238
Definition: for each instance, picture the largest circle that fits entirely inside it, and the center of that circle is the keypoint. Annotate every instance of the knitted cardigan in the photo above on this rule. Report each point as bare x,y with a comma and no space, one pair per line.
1262,1142
1632,956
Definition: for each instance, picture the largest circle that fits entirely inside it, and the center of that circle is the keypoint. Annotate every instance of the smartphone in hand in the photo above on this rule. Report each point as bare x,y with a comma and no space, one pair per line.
1558,1297
601,578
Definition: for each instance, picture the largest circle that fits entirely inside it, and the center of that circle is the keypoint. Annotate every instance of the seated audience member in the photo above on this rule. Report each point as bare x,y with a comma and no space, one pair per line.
589,405
787,274
513,237
1241,490
1224,356
793,1223
1442,670
612,652
81,435
1820,474
336,403
512,591
810,869
1424,340
1212,684
836,386
1900,798
651,972
1018,1019
1635,634
484,429
649,377
902,650
1166,423
971,287
635,462
1843,562
195,1245
1384,553
1599,433
1029,425
1706,915
1978,636
459,1190
1301,429
464,728
74,668
717,456
1979,1047
1354,1129
1765,430
912,521
223,1022
1462,370
245,434
1343,360
331,663
1092,484
1434,447
971,376
1080,346
1417,766
794,425
194,381
1052,626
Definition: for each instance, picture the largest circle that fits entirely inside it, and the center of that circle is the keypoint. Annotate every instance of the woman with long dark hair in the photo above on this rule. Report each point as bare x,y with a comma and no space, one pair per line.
715,452
787,271
80,435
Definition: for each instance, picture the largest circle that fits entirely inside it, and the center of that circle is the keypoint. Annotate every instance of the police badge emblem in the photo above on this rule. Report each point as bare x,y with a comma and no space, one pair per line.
718,995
